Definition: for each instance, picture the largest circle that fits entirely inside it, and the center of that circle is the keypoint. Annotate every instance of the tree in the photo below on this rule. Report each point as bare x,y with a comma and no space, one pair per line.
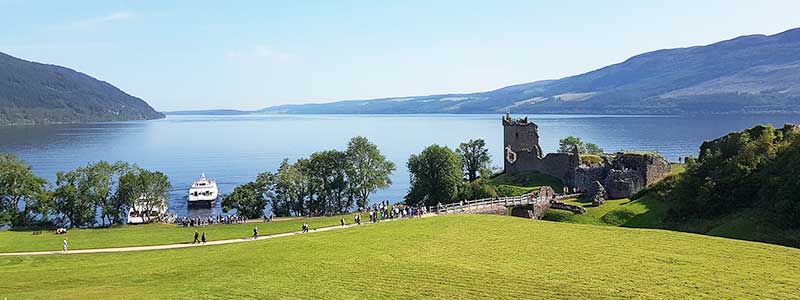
327,171
247,199
71,199
101,180
291,187
18,185
475,158
368,170
567,144
144,191
435,176
477,189
593,149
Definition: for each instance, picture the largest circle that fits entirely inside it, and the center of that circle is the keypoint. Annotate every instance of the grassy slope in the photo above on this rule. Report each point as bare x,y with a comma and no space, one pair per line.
649,212
151,234
525,182
451,257
646,212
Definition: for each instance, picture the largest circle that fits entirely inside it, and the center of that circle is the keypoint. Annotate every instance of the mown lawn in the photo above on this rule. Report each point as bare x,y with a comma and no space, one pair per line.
645,212
449,257
151,234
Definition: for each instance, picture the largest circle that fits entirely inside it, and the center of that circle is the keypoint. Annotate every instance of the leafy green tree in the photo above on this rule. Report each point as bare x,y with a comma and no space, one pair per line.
327,171
475,158
247,199
102,179
18,185
435,176
478,189
754,170
593,149
368,169
71,199
143,191
291,187
567,144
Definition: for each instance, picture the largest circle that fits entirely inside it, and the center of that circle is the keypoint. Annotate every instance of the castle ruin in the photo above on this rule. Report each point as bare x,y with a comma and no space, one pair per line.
621,174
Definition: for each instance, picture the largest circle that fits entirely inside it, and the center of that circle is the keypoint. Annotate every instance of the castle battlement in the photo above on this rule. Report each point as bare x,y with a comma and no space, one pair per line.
509,121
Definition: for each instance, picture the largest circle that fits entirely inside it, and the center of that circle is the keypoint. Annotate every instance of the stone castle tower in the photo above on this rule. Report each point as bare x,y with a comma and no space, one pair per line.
521,143
621,174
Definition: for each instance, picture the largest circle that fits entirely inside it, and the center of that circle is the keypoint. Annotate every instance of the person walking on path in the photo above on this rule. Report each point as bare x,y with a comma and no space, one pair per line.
196,237
342,221
255,232
203,238
66,245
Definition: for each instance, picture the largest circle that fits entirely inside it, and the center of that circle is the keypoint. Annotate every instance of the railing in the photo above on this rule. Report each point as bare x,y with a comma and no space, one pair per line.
471,205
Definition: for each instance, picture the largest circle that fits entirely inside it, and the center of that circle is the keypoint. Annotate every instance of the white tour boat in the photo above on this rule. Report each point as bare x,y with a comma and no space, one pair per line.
145,216
203,191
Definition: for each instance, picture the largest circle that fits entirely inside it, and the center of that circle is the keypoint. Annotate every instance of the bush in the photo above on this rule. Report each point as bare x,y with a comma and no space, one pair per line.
477,189
591,159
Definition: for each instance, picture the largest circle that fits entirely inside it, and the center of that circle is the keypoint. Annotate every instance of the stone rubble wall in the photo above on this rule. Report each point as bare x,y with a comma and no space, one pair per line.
622,174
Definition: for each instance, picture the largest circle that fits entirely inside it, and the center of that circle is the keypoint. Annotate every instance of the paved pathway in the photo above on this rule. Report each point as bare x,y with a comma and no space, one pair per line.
187,245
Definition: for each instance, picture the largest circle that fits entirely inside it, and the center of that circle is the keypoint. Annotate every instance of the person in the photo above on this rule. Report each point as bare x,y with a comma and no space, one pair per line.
358,219
196,236
203,238
66,245
255,232
342,221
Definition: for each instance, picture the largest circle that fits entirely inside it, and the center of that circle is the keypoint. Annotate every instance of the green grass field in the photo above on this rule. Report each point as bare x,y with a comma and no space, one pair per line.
645,212
525,182
449,257
151,234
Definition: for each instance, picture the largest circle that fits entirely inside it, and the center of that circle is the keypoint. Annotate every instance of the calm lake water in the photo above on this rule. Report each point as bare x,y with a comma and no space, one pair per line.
234,149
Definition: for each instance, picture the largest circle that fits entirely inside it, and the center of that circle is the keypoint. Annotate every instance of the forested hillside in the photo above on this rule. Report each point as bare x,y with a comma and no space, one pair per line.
34,93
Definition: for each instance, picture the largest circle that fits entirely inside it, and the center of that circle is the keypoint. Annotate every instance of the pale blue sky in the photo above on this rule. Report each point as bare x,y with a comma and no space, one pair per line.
248,55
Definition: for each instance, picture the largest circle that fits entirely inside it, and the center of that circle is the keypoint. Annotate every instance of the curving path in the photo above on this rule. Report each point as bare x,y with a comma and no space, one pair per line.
189,245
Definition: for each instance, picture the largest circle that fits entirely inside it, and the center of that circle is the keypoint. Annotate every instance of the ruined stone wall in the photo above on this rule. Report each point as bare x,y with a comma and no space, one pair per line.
631,172
623,183
584,176
560,165
622,174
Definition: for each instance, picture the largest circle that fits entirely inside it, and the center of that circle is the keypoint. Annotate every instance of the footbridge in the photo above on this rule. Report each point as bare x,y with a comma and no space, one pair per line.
542,200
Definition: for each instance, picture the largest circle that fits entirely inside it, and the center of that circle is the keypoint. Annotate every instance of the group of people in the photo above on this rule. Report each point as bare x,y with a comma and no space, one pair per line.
203,221
202,239
382,211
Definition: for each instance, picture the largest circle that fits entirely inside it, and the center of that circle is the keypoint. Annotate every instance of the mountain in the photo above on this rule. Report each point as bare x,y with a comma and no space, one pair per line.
34,93
748,74
208,112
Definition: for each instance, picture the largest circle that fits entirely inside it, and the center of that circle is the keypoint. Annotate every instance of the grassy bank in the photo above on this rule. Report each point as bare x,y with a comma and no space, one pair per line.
646,212
524,182
451,257
150,234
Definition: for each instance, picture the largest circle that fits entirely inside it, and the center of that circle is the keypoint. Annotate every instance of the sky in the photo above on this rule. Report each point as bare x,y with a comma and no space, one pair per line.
184,55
